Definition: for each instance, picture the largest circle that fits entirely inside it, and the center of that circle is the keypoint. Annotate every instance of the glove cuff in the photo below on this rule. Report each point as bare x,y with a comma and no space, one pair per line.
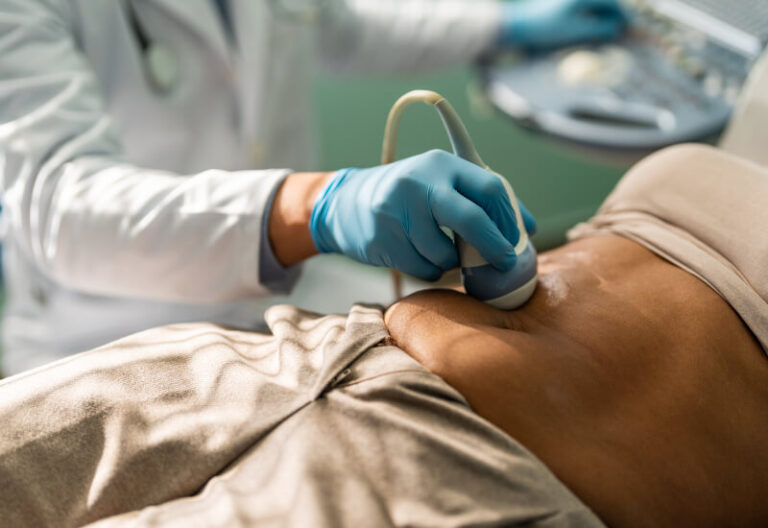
321,211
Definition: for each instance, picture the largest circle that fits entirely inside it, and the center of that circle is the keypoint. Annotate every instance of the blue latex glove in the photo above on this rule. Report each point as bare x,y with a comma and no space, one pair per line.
546,24
390,215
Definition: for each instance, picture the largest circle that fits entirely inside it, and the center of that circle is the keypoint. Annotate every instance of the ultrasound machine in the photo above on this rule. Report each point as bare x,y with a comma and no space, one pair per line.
675,77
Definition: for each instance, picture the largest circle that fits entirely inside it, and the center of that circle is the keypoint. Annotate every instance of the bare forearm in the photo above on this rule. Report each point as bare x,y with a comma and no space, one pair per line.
291,212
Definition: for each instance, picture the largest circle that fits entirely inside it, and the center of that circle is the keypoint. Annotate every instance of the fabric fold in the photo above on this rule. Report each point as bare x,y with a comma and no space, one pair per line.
704,211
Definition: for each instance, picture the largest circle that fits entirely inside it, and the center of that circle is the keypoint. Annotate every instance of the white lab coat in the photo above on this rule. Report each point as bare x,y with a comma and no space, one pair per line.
115,220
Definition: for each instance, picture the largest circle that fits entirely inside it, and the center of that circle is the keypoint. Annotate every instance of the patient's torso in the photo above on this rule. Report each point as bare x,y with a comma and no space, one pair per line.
635,382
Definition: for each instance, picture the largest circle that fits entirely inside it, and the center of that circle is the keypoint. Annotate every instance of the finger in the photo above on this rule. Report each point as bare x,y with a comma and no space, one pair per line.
419,267
598,30
471,222
488,191
608,11
500,210
401,255
528,220
430,241
602,8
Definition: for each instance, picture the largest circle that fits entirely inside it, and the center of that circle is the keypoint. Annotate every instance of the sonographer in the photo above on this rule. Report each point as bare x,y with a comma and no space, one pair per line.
141,144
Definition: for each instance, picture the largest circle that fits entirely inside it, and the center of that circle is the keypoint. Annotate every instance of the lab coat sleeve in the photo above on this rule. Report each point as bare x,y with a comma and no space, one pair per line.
88,219
406,35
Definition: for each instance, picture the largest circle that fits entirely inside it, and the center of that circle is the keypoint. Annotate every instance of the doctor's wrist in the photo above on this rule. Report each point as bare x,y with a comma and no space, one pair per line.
289,218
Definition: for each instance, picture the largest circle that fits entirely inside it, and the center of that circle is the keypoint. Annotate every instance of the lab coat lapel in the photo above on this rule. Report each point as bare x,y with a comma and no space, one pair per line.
202,17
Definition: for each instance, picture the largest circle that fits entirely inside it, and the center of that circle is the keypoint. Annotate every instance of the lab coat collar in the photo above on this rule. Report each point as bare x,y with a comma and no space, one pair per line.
202,17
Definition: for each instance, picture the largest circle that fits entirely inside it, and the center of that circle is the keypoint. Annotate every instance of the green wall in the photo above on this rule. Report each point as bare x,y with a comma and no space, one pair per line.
559,184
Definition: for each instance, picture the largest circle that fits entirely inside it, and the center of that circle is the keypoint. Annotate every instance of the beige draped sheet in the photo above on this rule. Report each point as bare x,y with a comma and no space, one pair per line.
324,423
706,212
321,425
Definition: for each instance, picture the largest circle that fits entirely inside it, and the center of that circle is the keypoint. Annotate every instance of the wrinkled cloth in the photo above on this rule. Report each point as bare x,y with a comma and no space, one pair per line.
322,424
706,212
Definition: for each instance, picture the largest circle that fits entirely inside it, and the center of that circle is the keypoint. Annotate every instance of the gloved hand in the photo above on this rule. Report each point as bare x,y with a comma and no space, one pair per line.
391,215
545,24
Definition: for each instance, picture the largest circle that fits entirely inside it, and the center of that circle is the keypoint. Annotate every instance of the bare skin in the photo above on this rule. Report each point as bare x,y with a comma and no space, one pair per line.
291,212
631,379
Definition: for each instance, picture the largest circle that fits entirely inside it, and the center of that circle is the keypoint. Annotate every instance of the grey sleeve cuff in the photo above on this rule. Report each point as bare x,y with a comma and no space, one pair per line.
272,274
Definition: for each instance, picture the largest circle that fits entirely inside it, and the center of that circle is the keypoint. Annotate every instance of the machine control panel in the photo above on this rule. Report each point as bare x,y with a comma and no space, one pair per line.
675,77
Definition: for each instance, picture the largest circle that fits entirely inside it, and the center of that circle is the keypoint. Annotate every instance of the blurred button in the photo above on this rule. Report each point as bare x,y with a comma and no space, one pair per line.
713,85
162,66
581,67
